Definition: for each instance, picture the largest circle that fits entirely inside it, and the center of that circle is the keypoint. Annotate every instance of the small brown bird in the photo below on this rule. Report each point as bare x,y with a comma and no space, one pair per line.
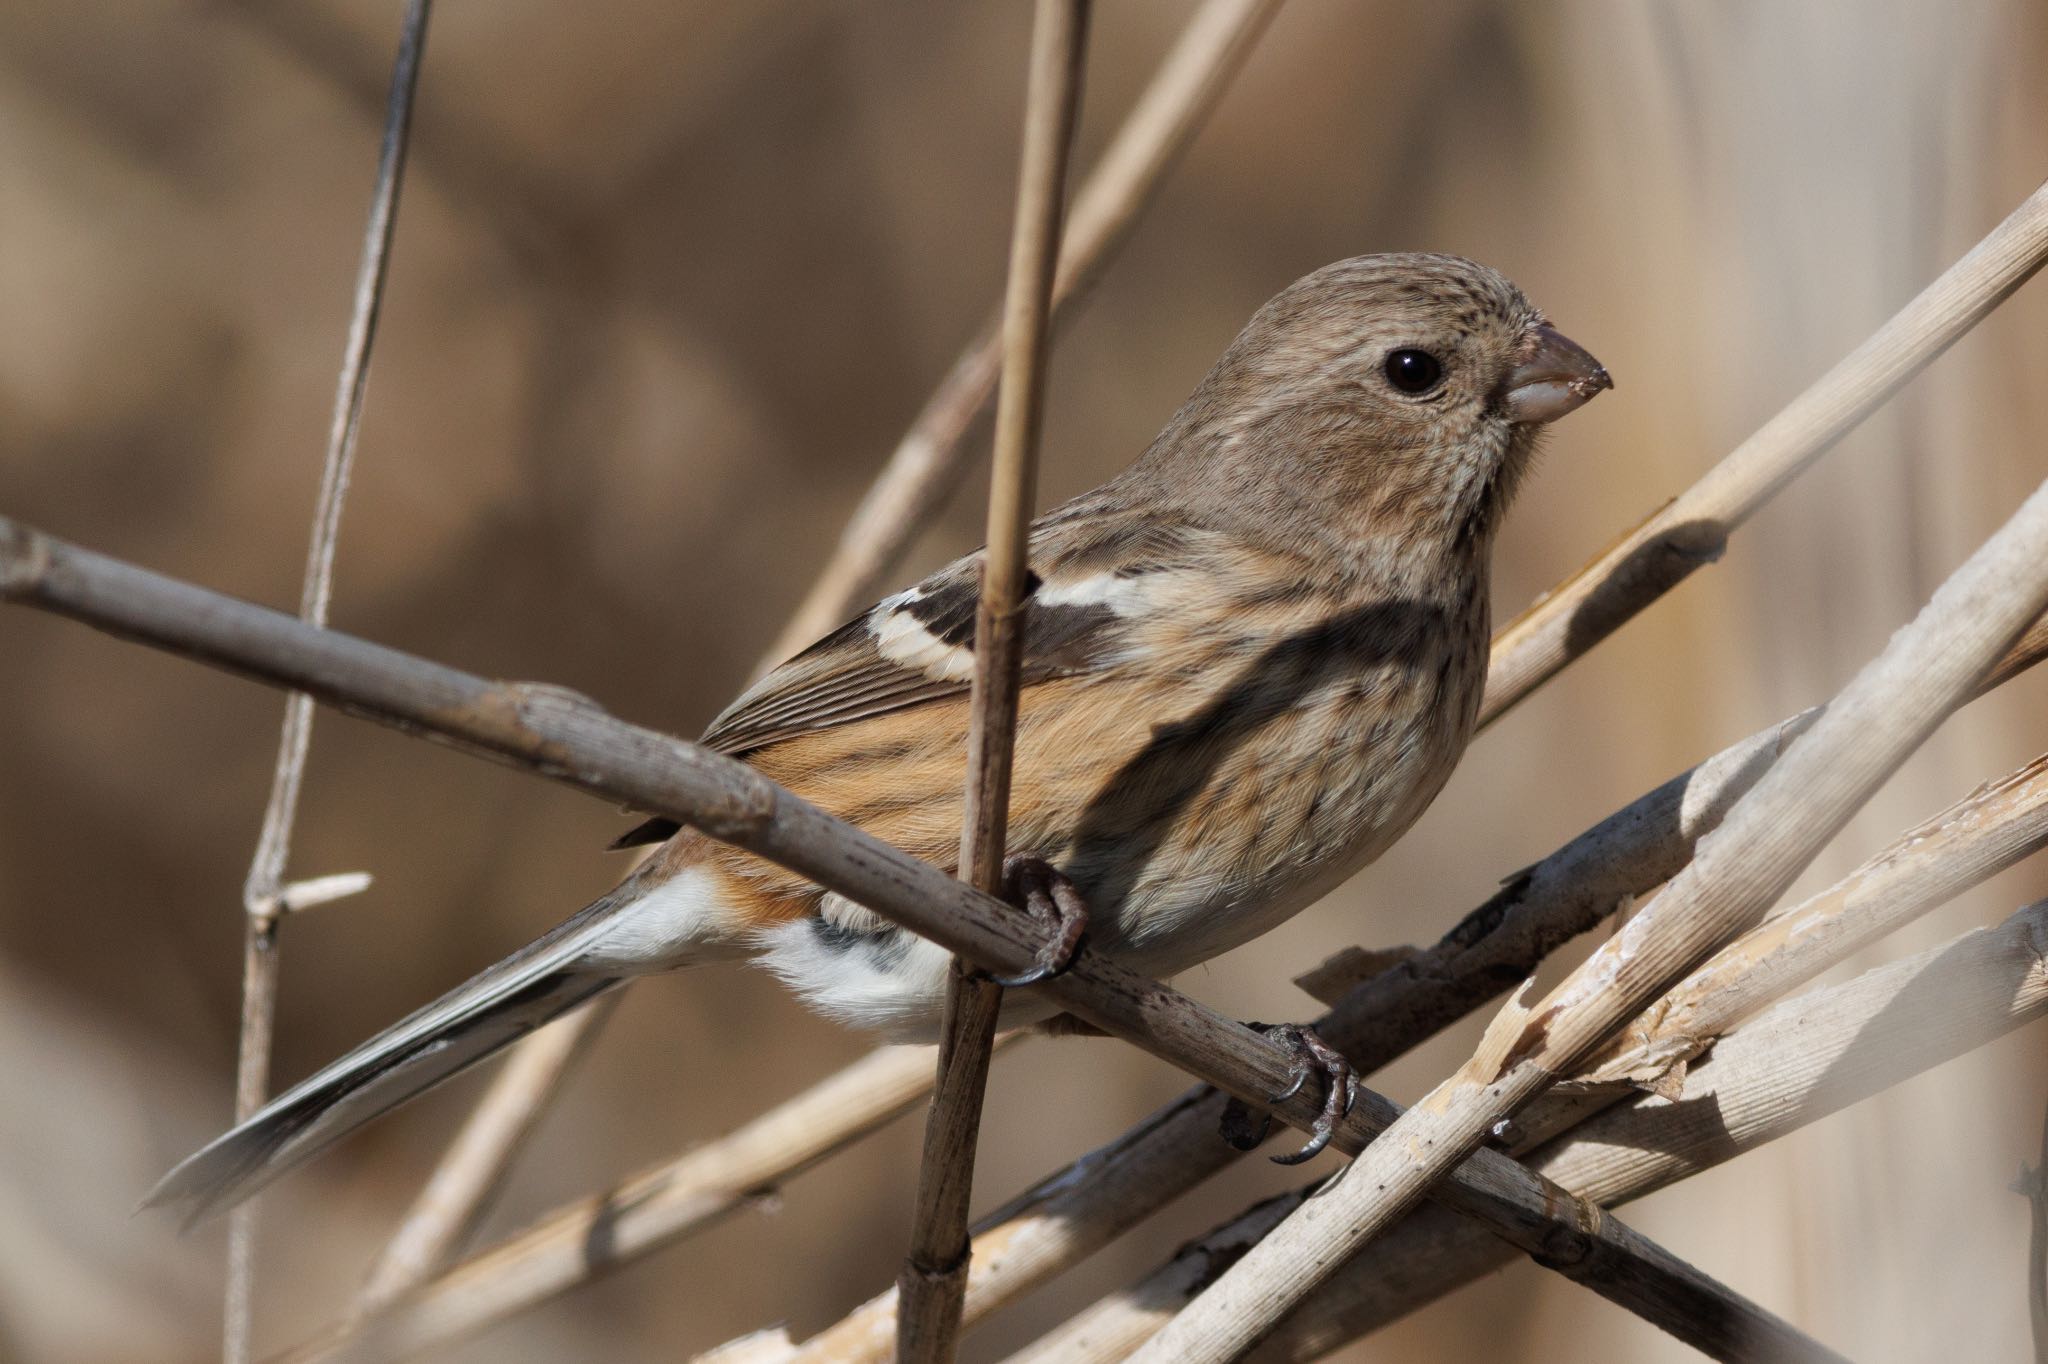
1252,659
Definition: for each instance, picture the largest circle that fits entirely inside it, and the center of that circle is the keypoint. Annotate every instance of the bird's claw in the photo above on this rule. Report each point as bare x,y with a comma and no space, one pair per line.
1044,892
1313,1057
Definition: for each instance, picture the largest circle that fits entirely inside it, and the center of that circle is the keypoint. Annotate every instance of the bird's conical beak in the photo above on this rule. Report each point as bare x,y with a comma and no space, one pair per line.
1553,375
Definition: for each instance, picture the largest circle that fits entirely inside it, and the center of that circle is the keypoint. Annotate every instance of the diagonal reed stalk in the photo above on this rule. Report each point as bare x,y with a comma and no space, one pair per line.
933,1280
265,896
1770,835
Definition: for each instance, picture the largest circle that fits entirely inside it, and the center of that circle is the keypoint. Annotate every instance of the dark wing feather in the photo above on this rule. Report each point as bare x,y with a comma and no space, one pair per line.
917,646
856,673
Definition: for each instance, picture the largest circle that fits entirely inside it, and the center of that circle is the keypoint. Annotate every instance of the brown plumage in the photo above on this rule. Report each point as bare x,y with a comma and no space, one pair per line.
1252,660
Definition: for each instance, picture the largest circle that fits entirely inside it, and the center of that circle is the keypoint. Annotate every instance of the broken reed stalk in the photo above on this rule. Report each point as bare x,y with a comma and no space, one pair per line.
1770,835
928,462
458,1194
1188,83
1984,833
571,739
933,1279
1989,830
263,891
1693,529
1797,1062
918,476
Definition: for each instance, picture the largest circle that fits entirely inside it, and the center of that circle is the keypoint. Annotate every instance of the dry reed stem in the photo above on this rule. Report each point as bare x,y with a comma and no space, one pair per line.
1768,837
1693,529
470,1172
1797,1062
1982,834
933,1279
1989,830
648,1210
928,461
570,739
264,900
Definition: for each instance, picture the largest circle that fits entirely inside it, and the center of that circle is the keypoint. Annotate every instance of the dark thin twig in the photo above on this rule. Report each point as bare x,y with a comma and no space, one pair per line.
264,894
570,739
933,1281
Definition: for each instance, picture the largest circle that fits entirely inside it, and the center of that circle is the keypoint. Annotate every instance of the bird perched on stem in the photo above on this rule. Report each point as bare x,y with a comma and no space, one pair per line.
1251,661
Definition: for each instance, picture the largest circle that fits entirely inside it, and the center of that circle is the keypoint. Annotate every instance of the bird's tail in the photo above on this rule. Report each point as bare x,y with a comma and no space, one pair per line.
487,1012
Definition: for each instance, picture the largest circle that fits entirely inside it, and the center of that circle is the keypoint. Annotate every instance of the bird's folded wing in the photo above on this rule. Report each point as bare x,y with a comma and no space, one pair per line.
1095,577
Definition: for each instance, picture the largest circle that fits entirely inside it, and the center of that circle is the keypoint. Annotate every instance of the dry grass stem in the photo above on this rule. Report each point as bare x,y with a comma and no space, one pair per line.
933,1279
928,462
264,896
1768,837
652,1209
558,734
1693,529
473,1168
1797,1062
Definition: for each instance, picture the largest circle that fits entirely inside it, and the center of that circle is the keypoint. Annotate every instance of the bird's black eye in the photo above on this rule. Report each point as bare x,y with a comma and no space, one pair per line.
1413,371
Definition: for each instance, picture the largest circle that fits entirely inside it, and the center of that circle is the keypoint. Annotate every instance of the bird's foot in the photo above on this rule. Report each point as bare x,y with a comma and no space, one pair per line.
1313,1057
1044,892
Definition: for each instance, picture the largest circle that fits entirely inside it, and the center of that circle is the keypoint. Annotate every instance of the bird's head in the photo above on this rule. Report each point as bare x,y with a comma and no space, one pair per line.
1398,394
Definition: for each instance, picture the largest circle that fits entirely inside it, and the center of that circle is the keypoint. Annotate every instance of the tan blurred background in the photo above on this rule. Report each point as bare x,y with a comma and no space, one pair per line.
670,278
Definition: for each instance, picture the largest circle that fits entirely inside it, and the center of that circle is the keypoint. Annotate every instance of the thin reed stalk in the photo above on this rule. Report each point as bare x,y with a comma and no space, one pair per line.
264,892
933,1280
1692,530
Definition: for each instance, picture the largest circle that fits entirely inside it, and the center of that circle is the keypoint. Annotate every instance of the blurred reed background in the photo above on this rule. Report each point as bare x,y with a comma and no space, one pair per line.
670,279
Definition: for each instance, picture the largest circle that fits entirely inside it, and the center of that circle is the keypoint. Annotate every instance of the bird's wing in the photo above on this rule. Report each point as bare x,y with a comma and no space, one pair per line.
1095,574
